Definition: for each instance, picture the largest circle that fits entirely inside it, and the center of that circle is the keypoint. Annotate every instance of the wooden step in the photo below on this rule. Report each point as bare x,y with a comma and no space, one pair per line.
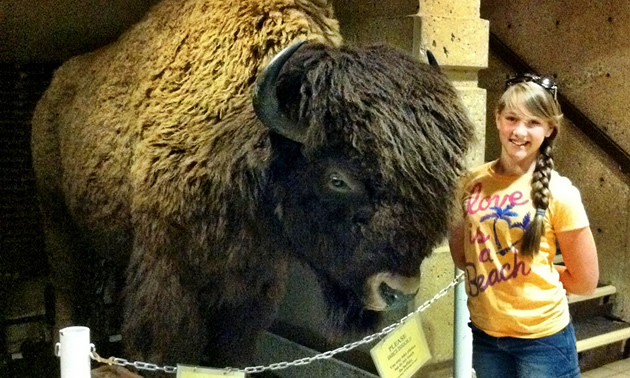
603,339
600,292
599,331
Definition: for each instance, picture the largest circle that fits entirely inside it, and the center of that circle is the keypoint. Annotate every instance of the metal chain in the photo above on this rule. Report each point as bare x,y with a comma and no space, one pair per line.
136,364
283,365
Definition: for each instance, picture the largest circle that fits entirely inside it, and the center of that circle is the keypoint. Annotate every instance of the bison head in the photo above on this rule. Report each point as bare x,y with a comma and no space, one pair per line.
368,145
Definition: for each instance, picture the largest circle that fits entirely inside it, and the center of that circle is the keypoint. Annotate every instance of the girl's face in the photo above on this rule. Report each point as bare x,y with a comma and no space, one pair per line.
521,135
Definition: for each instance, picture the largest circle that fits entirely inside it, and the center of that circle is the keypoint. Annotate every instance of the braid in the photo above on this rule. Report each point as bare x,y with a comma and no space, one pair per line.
540,198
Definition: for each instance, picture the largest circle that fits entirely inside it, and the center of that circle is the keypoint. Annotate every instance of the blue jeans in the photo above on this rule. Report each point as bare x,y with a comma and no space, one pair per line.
511,357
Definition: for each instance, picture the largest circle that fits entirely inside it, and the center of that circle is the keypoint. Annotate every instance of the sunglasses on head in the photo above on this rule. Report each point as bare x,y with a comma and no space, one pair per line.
544,82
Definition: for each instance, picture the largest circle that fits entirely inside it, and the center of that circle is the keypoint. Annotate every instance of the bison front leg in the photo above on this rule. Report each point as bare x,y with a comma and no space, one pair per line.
68,261
162,322
249,303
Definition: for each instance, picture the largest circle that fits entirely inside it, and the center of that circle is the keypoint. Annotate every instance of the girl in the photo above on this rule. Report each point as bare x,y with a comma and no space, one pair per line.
517,211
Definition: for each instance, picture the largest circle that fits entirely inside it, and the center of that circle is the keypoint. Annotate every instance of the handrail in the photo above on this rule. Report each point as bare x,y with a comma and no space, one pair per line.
579,119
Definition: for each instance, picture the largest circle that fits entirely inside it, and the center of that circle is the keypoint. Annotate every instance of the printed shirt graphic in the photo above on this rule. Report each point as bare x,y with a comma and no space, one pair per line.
508,294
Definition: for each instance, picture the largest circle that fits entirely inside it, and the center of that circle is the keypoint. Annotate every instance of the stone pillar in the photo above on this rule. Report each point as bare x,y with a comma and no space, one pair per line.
458,38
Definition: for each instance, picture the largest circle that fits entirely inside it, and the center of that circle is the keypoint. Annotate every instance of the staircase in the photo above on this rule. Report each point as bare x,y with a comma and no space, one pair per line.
601,338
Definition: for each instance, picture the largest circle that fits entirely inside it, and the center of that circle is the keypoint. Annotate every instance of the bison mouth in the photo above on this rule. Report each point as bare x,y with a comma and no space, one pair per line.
387,291
350,313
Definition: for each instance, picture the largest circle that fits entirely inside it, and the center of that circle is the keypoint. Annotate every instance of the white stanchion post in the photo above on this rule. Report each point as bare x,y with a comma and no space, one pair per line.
462,335
73,350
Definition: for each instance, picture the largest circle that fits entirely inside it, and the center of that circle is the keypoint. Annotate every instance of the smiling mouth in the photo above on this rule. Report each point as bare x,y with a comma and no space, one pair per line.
519,144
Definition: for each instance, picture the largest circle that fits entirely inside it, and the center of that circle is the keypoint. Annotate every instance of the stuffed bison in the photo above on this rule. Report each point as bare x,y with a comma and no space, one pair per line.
197,166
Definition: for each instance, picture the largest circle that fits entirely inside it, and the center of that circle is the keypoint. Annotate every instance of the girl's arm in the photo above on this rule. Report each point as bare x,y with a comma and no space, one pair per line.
580,272
456,244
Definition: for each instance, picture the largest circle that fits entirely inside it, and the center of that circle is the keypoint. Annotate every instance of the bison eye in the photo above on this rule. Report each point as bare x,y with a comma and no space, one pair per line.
337,183
340,183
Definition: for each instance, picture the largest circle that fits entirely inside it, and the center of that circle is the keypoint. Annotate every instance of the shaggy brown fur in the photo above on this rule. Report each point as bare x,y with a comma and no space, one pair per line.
147,152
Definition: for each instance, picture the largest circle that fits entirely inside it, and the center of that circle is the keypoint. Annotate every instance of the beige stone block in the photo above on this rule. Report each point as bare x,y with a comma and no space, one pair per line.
457,43
450,8
392,8
396,31
375,8
475,101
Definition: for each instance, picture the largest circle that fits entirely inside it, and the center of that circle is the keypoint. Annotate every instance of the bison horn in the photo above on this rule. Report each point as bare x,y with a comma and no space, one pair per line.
265,100
432,60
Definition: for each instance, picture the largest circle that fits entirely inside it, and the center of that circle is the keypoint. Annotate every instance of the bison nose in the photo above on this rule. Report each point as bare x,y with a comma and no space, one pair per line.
394,299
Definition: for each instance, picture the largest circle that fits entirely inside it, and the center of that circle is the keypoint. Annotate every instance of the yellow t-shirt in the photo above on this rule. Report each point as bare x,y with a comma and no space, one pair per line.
508,294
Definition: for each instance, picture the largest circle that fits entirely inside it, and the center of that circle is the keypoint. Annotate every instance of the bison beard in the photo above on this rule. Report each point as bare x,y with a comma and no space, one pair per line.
148,154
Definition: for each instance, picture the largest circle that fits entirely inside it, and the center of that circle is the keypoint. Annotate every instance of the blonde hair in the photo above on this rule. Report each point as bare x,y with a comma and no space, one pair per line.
535,100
